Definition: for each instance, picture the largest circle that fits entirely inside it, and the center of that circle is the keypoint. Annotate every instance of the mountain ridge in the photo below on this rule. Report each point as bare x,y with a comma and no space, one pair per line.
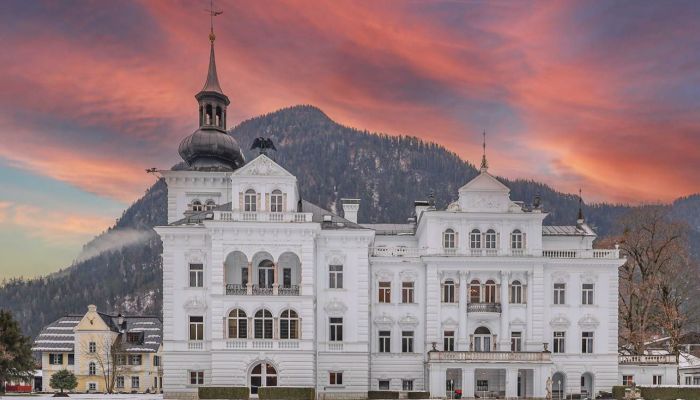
331,161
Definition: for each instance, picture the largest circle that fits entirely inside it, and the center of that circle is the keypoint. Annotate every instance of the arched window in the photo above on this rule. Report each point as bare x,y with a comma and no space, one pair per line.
219,119
490,239
197,206
289,325
448,291
475,239
210,115
237,324
516,292
482,339
490,291
210,205
448,239
263,324
276,201
92,369
516,240
250,201
475,291
262,375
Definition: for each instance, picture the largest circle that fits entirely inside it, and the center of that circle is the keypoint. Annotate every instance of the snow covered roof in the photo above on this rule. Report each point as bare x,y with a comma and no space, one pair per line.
567,230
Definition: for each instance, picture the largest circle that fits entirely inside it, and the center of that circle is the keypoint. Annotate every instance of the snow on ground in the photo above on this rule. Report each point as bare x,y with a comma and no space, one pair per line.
87,396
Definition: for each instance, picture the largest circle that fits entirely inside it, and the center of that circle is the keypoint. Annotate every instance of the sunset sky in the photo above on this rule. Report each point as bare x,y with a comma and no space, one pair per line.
599,95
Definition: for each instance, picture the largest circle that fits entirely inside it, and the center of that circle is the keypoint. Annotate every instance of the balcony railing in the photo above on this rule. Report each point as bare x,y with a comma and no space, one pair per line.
648,359
264,344
492,356
261,216
237,289
396,251
484,307
403,251
582,253
195,345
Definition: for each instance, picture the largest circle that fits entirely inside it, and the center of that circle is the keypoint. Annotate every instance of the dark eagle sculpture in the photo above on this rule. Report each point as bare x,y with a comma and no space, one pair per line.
264,144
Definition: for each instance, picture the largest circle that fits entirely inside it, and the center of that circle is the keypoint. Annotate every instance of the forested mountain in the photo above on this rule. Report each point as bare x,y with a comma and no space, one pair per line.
330,161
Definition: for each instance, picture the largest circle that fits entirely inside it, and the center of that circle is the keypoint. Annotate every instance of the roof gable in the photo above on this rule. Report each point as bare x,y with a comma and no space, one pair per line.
92,321
485,182
262,165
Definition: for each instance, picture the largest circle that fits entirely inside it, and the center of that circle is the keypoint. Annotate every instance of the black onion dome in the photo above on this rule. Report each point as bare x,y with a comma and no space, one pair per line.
210,149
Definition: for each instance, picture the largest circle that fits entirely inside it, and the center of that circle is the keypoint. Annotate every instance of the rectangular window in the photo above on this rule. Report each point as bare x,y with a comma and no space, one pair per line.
335,276
448,341
656,380
196,377
120,382
197,328
196,275
384,384
276,202
587,294
336,329
250,201
244,276
134,337
135,359
516,293
407,342
516,341
92,347
696,380
586,342
560,293
156,361
385,341
335,378
407,292
71,359
135,382
688,380
92,387
627,380
385,292
55,359
407,385
559,342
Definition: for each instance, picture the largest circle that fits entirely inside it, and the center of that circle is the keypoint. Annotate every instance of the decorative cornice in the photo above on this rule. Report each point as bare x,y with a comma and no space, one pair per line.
335,308
559,322
588,321
408,320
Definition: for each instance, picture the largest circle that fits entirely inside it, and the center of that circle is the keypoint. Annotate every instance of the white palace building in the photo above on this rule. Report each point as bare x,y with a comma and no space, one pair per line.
262,288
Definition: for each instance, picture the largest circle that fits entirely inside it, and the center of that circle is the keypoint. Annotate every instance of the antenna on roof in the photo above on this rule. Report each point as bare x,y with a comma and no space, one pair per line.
484,163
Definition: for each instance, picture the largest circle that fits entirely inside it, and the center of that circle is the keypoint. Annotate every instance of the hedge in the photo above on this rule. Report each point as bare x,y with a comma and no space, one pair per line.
418,395
286,393
228,392
382,394
661,392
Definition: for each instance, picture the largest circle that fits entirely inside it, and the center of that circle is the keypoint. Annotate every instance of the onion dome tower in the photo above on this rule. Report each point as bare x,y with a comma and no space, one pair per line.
210,148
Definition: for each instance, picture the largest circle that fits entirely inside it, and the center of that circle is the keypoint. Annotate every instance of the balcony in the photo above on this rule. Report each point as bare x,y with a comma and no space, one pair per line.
396,251
489,356
262,344
648,359
483,307
233,289
582,253
262,216
403,251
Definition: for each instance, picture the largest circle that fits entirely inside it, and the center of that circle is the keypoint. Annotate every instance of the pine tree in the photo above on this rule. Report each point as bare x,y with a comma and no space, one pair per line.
16,361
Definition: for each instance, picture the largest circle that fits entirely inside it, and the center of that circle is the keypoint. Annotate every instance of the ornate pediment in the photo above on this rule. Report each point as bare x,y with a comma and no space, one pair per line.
408,275
517,322
559,322
262,166
408,321
560,277
588,321
384,321
384,275
335,308
195,256
450,323
195,304
588,278
484,193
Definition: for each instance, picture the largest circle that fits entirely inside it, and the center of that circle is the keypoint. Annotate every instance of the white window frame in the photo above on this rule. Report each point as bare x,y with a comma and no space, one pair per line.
335,276
335,378
407,385
559,342
198,328
587,342
196,377
516,292
449,288
587,294
136,379
490,239
196,271
407,341
516,240
335,329
250,201
559,290
276,201
407,292
384,345
92,347
384,292
516,341
475,239
449,239
448,340
120,382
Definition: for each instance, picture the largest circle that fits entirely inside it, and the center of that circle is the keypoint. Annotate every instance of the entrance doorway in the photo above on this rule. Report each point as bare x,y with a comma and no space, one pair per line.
587,385
558,386
263,374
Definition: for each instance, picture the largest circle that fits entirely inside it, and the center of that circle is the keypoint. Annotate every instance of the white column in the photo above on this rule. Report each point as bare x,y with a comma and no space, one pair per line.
462,334
512,383
276,283
468,383
505,317
249,289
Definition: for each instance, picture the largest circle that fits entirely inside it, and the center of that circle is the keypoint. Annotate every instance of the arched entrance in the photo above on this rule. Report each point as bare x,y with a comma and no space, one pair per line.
587,386
262,375
558,386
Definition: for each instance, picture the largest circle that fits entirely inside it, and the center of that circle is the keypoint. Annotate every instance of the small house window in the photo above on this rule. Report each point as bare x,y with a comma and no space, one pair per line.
197,206
448,239
448,291
250,200
475,239
276,201
210,205
490,239
516,240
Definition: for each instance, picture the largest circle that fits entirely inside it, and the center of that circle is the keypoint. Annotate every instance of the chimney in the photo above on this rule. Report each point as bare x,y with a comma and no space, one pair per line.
120,320
420,205
350,209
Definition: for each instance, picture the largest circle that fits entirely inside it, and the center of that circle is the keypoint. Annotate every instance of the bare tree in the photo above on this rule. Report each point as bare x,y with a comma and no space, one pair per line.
110,357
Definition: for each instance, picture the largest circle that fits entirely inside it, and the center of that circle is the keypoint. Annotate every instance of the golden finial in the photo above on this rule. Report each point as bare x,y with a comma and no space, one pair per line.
212,13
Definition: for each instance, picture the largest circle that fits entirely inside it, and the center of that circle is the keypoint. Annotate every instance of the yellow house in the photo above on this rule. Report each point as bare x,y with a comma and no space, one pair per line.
121,353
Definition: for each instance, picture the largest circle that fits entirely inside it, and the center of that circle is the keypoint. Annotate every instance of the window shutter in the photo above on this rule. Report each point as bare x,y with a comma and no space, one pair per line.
284,202
257,202
267,202
241,205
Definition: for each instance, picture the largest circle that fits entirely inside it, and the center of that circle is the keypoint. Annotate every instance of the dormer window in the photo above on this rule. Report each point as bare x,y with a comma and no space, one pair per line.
210,205
475,239
276,201
197,206
250,200
134,337
490,239
516,239
449,239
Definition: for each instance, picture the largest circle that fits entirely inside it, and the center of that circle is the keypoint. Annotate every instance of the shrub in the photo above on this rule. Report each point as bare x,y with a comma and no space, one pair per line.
418,395
63,379
229,392
286,393
661,392
382,394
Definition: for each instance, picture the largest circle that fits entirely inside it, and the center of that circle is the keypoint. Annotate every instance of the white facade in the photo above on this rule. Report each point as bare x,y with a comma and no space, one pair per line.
274,263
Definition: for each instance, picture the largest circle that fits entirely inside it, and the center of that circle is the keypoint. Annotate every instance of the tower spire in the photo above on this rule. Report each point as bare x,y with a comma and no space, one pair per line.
484,162
212,82
580,219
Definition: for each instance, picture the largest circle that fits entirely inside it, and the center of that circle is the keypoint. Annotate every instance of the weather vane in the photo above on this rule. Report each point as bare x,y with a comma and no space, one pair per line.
212,13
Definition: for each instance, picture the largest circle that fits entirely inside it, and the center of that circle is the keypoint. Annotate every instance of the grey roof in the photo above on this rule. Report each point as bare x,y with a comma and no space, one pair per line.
392,229
59,335
566,230
212,83
197,218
